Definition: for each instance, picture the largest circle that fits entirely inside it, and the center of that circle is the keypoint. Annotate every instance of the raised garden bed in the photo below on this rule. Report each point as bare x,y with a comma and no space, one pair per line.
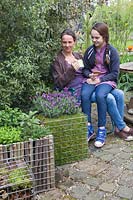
70,137
35,158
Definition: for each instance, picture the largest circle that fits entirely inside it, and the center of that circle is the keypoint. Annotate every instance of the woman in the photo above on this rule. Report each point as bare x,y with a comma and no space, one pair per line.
67,72
101,68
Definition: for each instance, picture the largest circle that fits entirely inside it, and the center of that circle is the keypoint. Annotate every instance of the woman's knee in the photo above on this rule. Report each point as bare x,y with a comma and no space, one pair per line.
110,99
118,94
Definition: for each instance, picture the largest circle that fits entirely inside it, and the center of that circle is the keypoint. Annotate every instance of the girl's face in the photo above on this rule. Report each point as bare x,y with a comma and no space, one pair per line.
97,39
68,43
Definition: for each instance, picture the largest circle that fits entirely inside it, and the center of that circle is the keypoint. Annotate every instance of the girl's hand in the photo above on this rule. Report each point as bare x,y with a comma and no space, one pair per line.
93,76
91,81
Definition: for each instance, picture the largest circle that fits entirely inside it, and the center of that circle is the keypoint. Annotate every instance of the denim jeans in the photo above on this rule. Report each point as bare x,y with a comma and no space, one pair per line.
101,92
115,107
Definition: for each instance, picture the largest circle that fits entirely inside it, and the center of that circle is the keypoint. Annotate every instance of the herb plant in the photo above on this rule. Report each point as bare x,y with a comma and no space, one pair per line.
56,104
9,135
16,126
19,178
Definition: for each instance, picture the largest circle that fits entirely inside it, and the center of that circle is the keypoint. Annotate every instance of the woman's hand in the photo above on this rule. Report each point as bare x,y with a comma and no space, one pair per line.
76,64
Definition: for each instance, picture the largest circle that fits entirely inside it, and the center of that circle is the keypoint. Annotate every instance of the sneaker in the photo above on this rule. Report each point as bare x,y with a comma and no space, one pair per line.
100,138
91,134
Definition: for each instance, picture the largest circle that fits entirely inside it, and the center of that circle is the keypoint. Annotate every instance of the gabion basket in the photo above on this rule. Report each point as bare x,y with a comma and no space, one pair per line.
27,168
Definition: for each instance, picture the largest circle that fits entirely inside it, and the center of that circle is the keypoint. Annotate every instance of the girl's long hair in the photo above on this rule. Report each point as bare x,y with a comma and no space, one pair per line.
103,30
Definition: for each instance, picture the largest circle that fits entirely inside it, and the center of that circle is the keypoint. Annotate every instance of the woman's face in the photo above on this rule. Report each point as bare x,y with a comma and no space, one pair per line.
68,43
97,39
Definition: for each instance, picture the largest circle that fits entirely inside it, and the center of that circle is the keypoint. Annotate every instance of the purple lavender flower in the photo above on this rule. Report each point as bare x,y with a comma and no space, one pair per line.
56,103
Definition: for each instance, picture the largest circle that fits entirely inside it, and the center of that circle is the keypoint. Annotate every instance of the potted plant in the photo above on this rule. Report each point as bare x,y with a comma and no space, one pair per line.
60,112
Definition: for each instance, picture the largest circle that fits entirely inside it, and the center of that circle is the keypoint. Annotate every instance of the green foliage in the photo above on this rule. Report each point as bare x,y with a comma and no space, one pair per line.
119,18
9,135
19,179
34,132
125,82
30,34
29,37
16,126
15,117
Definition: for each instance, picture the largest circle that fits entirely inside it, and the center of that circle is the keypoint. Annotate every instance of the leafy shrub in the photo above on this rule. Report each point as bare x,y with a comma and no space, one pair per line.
29,40
56,104
34,132
16,126
15,117
9,135
10,117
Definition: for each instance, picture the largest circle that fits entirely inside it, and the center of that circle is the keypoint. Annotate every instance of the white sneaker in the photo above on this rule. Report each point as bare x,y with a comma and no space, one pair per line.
98,144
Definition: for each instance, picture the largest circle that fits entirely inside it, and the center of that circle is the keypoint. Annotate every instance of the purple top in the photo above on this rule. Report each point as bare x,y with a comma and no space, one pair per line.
76,83
100,66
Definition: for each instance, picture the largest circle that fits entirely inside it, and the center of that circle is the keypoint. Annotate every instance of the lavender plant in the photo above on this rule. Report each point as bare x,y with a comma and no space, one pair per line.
56,104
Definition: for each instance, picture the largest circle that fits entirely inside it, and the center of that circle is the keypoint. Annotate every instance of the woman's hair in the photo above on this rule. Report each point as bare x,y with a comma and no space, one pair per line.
69,32
103,30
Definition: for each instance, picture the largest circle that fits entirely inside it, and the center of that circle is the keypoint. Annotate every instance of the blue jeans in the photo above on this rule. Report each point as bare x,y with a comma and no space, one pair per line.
101,92
115,106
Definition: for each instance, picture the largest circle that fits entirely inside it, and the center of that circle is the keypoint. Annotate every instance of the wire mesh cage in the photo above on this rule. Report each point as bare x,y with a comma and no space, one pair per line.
27,168
70,138
16,180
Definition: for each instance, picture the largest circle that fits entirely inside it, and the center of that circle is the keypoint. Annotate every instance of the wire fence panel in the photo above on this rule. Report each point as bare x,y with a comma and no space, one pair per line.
27,168
70,138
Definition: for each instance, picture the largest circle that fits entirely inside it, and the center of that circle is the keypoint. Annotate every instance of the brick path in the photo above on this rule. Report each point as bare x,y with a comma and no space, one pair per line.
107,174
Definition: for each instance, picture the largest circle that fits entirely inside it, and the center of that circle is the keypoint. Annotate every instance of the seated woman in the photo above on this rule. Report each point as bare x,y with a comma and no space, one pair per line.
67,72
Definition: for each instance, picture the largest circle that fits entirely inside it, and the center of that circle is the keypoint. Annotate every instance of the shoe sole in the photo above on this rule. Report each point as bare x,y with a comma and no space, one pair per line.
92,137
129,138
100,145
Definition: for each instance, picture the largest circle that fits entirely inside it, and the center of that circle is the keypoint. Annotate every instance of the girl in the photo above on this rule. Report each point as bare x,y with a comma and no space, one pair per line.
101,68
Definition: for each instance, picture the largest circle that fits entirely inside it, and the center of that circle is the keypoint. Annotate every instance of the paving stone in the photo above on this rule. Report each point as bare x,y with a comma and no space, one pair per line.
107,187
129,165
111,174
93,181
96,169
127,178
79,176
124,155
95,195
119,162
112,198
85,165
129,149
107,157
125,192
79,191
